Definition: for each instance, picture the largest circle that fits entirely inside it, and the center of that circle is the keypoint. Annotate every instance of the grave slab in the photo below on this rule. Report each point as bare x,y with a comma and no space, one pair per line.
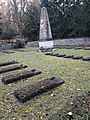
12,68
54,54
48,53
78,48
8,63
68,56
86,59
30,91
87,48
22,75
19,50
45,49
8,52
61,55
77,57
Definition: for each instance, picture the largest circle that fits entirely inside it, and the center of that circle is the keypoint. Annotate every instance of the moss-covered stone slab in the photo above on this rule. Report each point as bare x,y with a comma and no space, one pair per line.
86,59
77,57
68,56
48,53
54,54
45,49
8,52
30,91
8,63
87,48
11,68
78,48
61,55
68,48
25,74
19,50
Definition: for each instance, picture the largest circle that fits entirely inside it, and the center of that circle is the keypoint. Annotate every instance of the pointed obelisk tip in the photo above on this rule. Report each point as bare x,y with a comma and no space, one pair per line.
45,29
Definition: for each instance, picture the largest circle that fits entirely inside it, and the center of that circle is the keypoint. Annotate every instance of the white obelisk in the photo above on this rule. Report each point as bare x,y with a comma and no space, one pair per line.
45,29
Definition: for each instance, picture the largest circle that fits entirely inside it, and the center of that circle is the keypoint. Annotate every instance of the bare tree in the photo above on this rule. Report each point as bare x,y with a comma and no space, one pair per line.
15,14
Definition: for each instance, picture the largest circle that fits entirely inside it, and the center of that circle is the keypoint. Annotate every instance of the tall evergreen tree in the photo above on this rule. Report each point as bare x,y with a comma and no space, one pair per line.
87,16
69,18
44,3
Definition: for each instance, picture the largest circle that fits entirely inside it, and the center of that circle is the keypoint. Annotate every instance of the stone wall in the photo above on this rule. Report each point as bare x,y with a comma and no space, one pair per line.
58,42
5,46
33,44
72,42
65,42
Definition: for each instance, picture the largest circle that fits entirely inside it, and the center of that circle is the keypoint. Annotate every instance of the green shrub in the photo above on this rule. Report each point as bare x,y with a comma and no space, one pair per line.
19,43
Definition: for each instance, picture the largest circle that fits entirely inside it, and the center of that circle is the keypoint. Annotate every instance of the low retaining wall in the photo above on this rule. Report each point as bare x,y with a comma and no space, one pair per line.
5,46
33,44
57,42
65,42
72,42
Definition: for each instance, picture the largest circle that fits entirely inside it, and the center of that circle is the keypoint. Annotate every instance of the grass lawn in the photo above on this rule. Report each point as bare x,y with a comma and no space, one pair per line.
75,73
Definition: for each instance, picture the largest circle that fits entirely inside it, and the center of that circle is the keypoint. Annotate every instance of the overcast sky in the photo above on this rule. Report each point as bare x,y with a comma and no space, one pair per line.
3,0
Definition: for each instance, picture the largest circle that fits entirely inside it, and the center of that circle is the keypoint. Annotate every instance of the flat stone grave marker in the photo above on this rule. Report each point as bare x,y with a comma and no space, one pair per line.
61,55
86,59
77,57
77,48
45,49
20,50
54,54
8,52
68,56
8,63
87,48
48,53
12,68
30,91
68,47
24,74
